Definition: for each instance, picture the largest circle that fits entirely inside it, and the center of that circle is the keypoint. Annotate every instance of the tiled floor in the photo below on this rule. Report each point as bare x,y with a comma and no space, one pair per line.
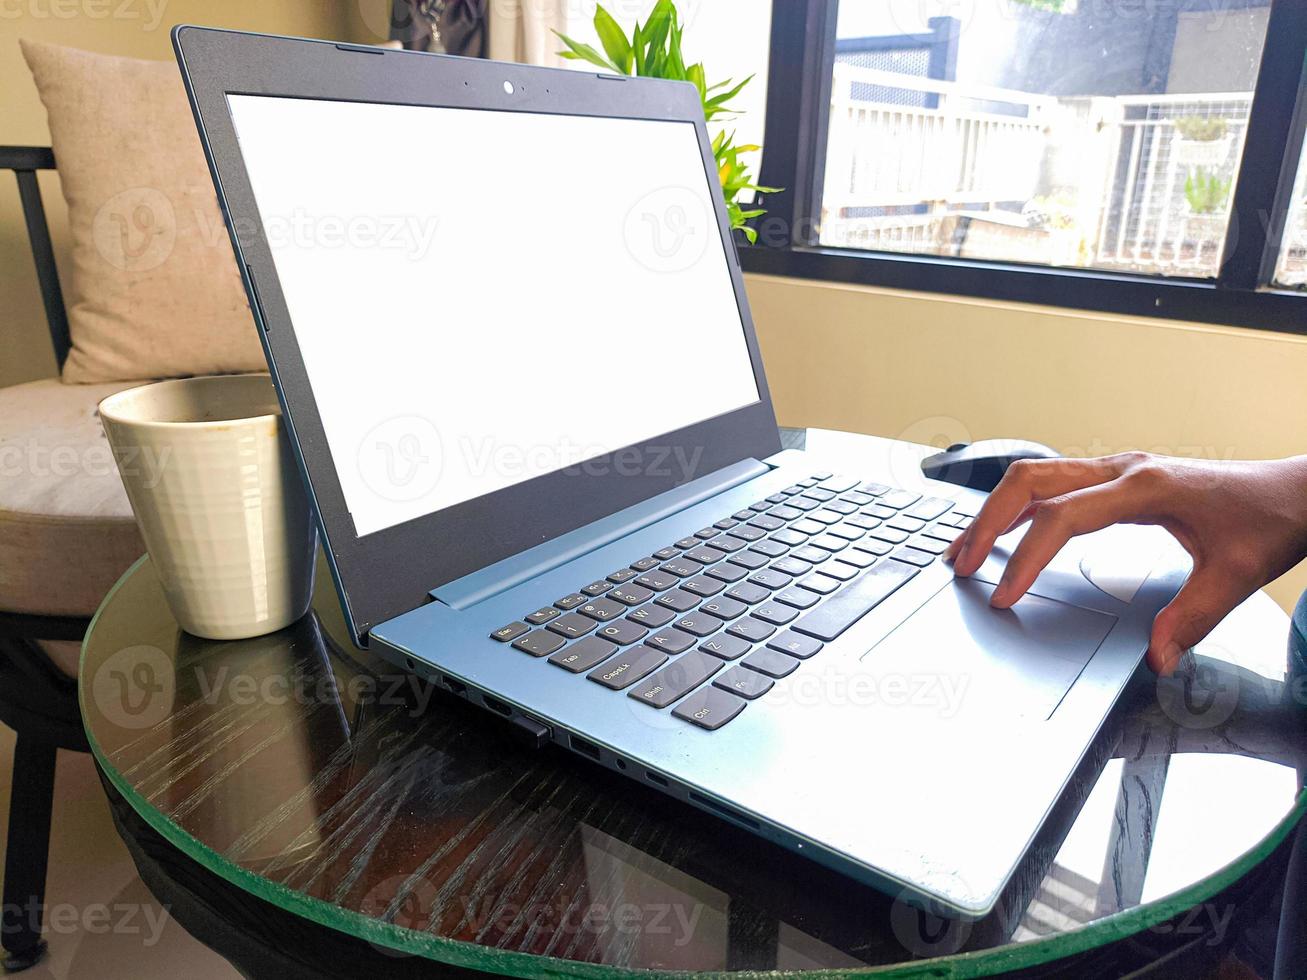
101,921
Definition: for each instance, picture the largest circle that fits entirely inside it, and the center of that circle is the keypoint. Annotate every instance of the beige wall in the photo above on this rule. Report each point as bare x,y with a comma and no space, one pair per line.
138,28
941,369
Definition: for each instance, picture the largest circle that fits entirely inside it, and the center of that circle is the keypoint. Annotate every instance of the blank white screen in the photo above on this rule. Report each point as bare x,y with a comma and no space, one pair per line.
483,297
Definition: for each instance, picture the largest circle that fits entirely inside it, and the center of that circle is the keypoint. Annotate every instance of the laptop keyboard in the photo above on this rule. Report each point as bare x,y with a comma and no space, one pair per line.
709,623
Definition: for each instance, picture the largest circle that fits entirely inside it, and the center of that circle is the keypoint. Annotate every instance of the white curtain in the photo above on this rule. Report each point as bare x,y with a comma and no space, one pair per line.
523,30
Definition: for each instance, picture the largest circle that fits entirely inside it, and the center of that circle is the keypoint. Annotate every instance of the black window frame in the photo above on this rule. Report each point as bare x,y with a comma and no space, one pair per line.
1243,295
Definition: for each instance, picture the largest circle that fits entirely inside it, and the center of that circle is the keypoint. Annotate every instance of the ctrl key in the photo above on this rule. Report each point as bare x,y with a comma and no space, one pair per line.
709,708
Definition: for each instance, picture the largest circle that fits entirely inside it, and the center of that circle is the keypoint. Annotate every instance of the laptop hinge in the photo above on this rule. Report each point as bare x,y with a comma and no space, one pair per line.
503,575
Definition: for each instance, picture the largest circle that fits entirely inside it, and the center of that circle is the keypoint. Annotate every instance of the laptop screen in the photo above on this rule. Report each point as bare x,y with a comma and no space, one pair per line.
481,297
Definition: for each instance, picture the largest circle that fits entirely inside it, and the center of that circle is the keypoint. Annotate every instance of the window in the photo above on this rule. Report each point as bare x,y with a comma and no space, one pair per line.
1100,153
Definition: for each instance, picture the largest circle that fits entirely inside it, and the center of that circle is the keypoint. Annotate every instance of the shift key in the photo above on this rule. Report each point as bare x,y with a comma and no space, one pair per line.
663,687
854,601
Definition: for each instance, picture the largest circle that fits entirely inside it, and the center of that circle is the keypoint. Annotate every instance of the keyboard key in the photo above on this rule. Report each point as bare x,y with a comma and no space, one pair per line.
542,616
823,584
622,575
682,675
797,597
768,522
682,567
771,663
702,585
583,654
899,499
777,498
571,601
854,601
644,564
825,516
813,556
829,542
932,545
726,647
888,534
596,588
631,595
726,523
943,532
789,537
602,610
656,581
782,513
539,643
746,683
838,569
841,507
839,483
747,532
623,632
704,533
848,532
820,493
724,608
747,592
874,546
662,554
572,625
860,559
699,624
652,616
705,555
761,506
930,508
727,572
671,640
811,481
804,504
772,549
753,630
794,644
627,667
913,557
745,515
728,543
510,632
689,542
875,489
792,566
678,600
879,512
750,560
769,578
806,526
910,524
793,489
857,498
863,521
775,613
709,708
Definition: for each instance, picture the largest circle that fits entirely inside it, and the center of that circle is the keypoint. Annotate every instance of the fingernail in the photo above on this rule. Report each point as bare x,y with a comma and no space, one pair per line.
999,597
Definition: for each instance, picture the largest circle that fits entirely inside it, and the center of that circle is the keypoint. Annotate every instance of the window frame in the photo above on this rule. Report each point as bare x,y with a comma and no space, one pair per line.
1243,294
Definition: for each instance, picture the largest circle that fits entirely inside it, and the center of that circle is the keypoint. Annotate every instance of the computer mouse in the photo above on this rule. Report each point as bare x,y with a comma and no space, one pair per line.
980,465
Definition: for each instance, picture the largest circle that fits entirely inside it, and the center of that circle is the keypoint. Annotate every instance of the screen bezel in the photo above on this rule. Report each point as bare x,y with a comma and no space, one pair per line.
392,570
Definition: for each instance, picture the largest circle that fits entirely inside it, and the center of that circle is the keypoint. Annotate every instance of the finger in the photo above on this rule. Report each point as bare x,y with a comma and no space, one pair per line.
1055,522
1024,482
1206,599
952,550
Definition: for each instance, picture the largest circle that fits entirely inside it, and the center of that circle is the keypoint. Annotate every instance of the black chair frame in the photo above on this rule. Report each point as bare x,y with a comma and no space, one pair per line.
37,700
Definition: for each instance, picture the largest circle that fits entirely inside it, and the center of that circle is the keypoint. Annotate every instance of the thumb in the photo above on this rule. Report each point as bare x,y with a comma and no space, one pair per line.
1206,598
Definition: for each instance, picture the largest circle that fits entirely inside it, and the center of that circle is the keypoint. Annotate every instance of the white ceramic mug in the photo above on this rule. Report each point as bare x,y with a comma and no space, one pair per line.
210,476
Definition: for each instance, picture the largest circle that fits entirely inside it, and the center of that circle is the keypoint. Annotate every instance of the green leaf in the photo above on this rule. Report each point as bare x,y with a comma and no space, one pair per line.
695,74
717,100
617,47
584,52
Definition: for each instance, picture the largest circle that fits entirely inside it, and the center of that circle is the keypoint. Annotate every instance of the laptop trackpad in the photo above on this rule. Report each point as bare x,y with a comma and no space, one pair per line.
1016,662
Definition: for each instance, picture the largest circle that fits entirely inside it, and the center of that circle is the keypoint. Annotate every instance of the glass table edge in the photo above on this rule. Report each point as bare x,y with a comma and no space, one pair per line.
457,952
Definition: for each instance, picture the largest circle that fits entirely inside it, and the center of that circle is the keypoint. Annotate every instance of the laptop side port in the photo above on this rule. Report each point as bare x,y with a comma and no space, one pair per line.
497,706
583,746
723,810
457,687
654,778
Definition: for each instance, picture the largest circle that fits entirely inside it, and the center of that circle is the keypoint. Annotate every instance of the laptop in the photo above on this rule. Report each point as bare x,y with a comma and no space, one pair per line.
506,321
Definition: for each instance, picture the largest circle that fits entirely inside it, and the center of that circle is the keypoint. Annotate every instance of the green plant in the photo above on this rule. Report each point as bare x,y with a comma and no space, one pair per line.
1206,193
1201,129
654,51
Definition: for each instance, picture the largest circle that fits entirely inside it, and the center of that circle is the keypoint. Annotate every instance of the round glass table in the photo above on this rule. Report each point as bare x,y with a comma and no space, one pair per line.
301,805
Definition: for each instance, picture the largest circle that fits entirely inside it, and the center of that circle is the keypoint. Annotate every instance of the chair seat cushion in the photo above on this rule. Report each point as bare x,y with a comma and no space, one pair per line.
66,528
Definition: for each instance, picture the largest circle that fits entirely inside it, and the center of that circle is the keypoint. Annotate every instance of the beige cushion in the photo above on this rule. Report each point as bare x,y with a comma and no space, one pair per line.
154,287
66,529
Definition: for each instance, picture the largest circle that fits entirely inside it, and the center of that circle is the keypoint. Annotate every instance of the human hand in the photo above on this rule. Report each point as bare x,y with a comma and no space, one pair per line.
1244,524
